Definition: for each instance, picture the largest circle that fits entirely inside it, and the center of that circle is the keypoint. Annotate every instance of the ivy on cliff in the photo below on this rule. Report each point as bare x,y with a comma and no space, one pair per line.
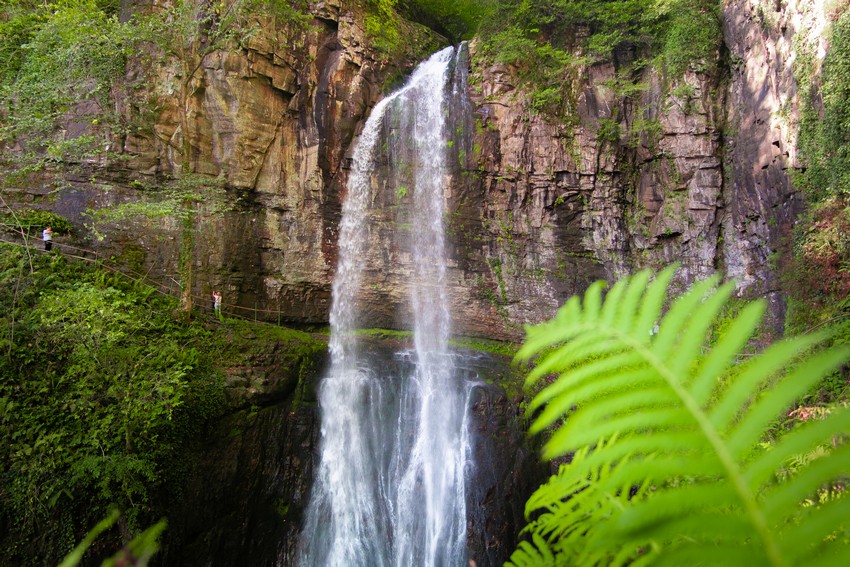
63,59
819,279
62,63
824,140
545,40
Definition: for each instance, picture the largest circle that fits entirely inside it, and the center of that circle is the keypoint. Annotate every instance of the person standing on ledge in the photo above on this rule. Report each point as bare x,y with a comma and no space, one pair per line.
47,236
217,304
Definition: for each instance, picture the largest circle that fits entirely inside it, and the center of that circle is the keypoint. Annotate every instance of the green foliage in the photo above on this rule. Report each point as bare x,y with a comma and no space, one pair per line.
104,396
544,64
669,464
456,20
240,343
608,131
818,278
397,38
18,23
693,37
485,345
824,140
645,132
382,25
179,198
65,58
188,30
645,26
138,552
100,389
540,39
820,272
34,221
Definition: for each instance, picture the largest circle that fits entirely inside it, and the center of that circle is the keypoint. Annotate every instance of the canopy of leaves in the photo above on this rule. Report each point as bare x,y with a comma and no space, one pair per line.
456,21
667,436
818,281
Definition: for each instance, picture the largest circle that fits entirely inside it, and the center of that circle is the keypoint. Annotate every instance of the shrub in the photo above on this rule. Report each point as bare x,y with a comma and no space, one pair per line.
100,389
34,221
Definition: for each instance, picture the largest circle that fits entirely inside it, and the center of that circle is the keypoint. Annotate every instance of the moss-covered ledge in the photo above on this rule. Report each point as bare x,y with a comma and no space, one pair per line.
264,364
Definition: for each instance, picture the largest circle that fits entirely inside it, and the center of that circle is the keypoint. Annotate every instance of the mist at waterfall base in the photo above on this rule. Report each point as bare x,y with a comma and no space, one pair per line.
395,457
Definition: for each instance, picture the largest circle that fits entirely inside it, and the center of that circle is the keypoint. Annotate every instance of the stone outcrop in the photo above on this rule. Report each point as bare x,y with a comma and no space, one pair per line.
695,171
763,112
272,121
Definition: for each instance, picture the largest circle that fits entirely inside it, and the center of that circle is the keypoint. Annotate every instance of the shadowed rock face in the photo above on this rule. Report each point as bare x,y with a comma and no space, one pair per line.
537,209
762,116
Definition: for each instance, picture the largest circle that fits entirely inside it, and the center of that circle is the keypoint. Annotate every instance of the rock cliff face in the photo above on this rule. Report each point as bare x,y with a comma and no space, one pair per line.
693,171
272,121
759,152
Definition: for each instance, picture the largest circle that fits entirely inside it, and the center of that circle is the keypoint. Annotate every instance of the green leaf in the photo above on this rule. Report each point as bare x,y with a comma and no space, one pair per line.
666,430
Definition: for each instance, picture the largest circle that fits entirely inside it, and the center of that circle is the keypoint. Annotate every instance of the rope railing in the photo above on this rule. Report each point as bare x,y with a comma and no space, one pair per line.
56,245
233,310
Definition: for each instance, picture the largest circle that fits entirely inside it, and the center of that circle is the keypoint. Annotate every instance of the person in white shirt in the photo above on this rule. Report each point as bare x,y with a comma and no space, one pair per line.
47,236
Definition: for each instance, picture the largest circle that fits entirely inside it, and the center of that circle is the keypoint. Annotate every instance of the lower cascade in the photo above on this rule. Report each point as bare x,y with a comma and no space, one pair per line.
395,442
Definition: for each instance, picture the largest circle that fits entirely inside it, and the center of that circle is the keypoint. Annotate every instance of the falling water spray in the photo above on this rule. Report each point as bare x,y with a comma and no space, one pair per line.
390,489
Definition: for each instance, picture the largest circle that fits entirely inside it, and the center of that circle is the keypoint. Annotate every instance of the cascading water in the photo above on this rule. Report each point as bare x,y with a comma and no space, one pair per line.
390,489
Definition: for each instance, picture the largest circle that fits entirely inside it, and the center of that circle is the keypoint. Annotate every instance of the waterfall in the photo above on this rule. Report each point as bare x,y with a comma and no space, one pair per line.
390,489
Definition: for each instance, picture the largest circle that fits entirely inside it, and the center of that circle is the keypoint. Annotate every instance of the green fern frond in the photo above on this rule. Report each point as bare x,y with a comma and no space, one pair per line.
668,465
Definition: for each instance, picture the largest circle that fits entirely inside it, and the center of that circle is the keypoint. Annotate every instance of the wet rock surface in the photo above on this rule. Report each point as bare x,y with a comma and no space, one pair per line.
246,490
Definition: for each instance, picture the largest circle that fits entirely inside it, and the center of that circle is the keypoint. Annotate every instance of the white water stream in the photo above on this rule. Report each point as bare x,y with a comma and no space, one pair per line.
389,489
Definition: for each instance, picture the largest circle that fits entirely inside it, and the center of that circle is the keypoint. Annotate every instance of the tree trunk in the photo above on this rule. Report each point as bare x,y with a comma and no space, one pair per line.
187,245
187,236
186,141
